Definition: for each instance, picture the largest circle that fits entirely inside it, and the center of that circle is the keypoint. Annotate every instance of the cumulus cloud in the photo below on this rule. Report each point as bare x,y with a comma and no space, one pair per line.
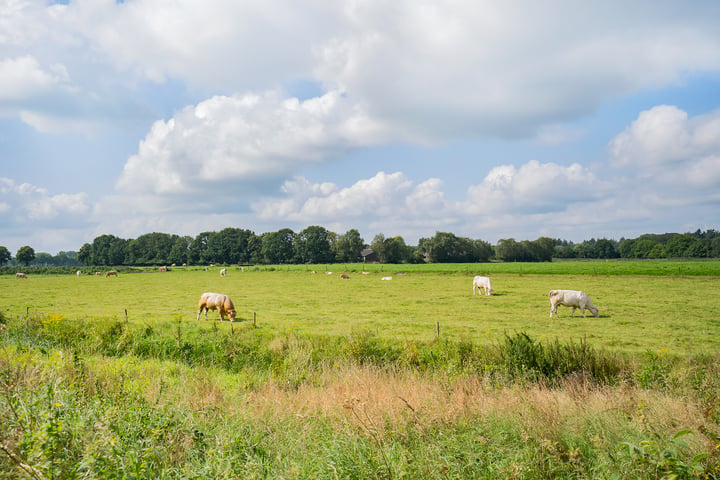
389,199
489,69
23,77
533,187
27,203
433,72
674,149
243,139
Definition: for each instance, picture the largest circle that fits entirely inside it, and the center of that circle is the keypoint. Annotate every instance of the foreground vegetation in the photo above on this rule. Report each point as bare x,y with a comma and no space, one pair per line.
329,378
112,400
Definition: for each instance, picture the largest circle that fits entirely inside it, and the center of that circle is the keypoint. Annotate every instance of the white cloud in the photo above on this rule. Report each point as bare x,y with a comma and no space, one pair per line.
309,203
23,77
27,203
432,71
243,139
484,68
534,187
678,152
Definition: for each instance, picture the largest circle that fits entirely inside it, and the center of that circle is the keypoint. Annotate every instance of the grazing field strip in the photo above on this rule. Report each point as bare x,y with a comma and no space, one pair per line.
662,313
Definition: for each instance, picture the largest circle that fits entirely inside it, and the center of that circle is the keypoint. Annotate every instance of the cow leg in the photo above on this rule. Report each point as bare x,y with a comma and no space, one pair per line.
573,311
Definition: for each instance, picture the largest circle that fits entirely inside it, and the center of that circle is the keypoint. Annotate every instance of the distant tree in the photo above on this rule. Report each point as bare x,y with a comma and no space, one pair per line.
150,249
604,248
541,249
508,250
644,247
658,251
482,251
349,246
180,250
66,258
696,250
395,250
198,253
583,250
564,251
714,247
42,259
445,247
108,250
85,254
626,247
5,255
25,255
229,245
278,247
678,245
313,245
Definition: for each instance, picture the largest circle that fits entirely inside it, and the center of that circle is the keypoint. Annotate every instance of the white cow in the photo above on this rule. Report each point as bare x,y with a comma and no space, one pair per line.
571,298
482,282
78,273
216,301
223,272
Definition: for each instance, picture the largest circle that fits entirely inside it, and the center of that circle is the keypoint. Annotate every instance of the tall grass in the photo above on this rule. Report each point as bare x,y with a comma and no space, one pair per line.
112,399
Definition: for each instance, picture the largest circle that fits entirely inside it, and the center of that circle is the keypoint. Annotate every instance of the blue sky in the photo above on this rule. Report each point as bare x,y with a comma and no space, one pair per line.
488,119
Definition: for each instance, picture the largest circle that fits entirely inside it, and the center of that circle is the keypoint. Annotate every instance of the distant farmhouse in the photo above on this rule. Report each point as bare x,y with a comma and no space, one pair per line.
369,256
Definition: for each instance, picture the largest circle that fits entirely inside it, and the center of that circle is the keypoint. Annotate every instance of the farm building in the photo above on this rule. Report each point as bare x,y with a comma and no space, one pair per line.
370,256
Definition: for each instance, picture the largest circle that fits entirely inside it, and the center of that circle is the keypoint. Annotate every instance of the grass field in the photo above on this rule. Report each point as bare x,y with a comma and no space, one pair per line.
676,314
328,378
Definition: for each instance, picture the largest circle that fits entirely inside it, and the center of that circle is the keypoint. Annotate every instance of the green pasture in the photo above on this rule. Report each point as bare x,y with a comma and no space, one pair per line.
663,313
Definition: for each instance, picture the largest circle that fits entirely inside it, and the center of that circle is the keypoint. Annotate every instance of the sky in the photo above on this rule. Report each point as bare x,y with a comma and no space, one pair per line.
490,120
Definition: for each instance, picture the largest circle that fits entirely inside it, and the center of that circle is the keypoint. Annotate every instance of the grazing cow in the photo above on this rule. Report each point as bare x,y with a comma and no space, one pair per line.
482,282
98,274
20,275
111,273
571,298
223,272
78,273
386,278
344,276
366,273
328,273
216,301
313,272
163,268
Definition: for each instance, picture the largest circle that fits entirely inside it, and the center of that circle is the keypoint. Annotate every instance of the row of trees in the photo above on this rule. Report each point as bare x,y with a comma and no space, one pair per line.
315,244
700,244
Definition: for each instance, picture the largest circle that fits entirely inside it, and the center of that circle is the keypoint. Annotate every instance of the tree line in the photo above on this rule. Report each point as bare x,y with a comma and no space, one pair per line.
316,244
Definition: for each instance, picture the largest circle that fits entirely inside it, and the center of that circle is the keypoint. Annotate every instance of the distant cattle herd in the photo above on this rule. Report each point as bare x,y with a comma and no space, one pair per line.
223,304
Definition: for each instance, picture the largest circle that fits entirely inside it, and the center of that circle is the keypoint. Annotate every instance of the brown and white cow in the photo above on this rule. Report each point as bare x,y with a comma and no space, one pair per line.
216,301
